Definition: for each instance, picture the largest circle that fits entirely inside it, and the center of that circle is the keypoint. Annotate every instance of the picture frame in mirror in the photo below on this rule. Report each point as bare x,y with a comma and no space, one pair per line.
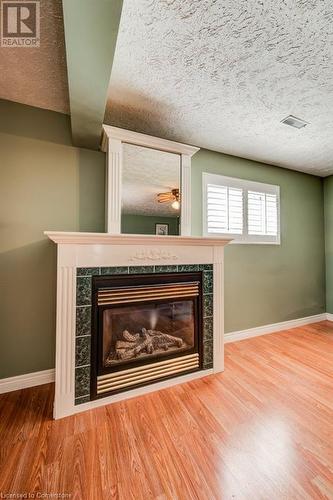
161,229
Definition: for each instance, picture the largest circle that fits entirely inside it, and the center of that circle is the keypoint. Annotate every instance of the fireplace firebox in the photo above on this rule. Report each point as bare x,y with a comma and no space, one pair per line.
146,328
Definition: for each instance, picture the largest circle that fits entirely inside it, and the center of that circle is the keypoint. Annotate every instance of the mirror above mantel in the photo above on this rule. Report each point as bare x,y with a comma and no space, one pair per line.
148,184
150,198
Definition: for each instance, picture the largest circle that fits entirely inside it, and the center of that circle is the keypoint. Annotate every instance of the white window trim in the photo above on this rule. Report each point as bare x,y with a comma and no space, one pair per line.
246,185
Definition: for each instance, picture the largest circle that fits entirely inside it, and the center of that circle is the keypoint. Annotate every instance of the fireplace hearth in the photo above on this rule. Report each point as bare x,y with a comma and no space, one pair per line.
146,328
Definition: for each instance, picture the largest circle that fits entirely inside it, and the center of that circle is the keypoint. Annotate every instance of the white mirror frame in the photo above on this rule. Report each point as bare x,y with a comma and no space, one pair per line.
112,144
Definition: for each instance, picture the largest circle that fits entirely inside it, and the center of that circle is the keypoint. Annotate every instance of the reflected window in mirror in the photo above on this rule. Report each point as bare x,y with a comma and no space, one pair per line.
151,198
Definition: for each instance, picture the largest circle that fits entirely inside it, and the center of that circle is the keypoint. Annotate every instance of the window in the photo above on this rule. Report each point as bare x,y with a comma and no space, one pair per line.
245,210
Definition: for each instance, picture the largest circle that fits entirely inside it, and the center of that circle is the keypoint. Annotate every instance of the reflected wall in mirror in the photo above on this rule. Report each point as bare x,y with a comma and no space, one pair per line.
150,191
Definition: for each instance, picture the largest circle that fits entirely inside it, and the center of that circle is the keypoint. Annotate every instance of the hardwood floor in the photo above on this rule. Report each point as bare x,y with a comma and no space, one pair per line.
261,430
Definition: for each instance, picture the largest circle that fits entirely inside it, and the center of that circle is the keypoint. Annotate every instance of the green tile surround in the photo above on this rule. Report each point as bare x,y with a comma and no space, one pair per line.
83,316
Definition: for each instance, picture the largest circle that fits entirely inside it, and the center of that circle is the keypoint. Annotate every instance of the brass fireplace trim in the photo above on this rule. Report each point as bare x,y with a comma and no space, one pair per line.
123,295
146,373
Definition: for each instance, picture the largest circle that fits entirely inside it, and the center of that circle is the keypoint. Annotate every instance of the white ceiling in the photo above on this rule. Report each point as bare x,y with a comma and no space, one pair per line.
147,172
38,76
222,74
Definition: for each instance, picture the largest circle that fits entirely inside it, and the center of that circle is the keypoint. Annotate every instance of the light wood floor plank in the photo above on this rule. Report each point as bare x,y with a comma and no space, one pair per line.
261,430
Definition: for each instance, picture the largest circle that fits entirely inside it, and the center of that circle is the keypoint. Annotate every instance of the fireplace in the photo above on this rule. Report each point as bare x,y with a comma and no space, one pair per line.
146,328
83,259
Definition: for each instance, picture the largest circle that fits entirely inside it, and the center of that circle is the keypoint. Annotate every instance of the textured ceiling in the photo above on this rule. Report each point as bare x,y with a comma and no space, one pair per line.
37,76
147,172
221,74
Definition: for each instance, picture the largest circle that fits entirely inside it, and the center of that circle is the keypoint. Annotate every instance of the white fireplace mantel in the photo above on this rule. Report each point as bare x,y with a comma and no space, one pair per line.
61,237
101,249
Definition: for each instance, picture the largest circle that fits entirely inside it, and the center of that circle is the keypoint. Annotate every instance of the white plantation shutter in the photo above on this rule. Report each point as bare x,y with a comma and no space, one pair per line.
247,210
224,209
262,213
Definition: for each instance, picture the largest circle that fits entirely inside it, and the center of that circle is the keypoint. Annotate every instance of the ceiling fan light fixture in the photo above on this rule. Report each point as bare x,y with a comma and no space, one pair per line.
171,196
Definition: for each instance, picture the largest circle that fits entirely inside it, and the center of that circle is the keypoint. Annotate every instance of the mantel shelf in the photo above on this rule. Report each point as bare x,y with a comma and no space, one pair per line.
80,238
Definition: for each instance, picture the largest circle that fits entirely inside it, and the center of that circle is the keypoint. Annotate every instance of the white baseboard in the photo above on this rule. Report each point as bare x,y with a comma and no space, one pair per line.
47,376
329,317
275,327
24,381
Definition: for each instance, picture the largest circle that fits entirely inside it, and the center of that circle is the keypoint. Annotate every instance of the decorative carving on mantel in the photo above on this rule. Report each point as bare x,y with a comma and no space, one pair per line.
142,255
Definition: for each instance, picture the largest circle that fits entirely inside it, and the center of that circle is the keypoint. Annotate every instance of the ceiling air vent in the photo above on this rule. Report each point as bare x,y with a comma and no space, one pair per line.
294,122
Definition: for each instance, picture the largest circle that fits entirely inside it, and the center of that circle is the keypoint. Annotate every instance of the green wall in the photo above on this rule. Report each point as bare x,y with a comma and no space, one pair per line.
46,184
328,207
145,224
271,283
